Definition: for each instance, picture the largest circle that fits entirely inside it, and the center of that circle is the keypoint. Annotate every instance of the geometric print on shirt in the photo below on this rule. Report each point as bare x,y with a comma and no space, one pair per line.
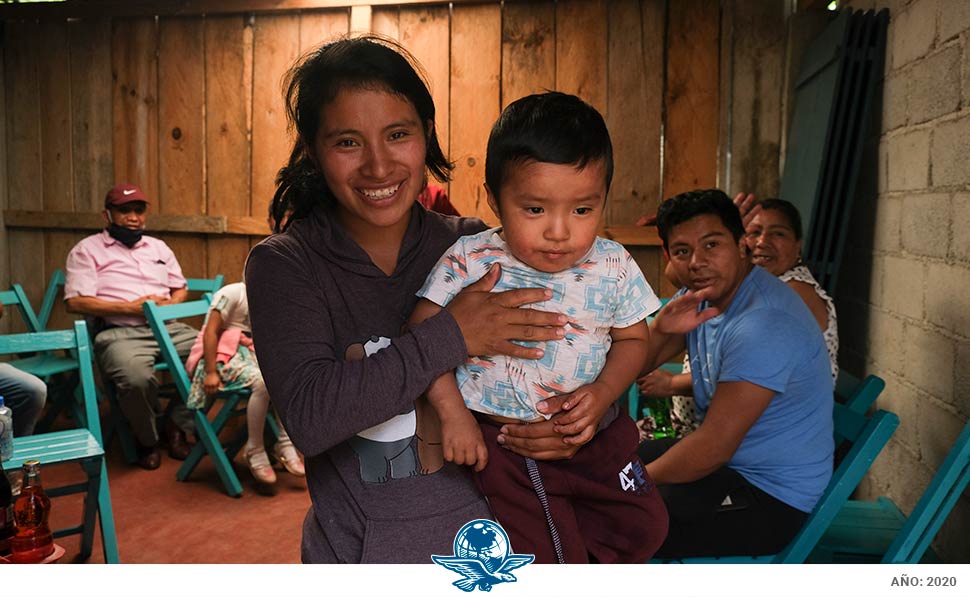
605,289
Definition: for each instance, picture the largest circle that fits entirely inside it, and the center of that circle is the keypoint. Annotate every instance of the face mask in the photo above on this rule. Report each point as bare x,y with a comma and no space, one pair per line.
125,236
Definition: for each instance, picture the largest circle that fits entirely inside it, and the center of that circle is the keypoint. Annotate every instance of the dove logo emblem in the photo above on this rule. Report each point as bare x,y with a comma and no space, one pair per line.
483,556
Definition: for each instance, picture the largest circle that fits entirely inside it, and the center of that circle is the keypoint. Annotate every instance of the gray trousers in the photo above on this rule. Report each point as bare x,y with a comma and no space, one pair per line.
25,395
127,356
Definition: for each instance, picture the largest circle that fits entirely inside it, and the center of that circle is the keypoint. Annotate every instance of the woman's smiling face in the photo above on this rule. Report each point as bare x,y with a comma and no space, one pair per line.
371,148
771,242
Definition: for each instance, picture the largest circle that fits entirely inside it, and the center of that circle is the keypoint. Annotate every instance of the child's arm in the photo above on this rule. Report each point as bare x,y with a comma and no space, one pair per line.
461,438
586,405
661,382
210,344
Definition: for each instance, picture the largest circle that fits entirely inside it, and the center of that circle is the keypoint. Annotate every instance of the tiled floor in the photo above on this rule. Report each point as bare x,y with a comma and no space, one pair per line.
162,521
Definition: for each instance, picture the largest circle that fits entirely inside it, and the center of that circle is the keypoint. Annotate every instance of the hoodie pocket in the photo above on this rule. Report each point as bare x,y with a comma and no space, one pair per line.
414,540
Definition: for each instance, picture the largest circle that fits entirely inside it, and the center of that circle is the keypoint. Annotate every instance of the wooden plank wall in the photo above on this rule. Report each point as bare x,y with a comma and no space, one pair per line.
190,107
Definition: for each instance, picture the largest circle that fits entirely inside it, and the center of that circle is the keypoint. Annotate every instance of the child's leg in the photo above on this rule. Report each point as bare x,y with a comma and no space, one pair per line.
621,513
506,484
255,449
256,410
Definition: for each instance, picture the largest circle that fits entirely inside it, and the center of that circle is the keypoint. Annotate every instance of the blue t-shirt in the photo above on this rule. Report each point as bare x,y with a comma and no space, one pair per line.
768,337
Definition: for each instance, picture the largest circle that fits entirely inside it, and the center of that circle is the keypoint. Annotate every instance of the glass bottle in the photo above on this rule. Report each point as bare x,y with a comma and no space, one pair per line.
7,526
658,408
33,541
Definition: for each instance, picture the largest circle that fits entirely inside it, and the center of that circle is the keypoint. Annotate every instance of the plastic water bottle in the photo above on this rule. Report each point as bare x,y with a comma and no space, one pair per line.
6,431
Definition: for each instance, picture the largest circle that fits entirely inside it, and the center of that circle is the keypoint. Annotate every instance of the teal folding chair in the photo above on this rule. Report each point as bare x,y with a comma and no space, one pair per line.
44,364
117,424
877,531
233,403
858,396
54,287
204,284
869,435
83,445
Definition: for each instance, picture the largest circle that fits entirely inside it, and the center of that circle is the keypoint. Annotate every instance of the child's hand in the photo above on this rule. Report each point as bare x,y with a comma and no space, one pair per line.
212,383
582,411
656,383
461,440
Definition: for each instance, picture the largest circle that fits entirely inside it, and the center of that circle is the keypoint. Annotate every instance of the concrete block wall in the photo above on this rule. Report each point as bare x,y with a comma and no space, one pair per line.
904,309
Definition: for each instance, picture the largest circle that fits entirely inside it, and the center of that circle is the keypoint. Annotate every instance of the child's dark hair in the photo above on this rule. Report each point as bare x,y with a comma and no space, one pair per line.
788,210
550,127
683,207
367,62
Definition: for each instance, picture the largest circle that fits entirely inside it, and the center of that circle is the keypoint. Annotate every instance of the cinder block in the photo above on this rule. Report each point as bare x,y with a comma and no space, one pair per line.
885,341
876,280
898,473
954,18
938,429
951,146
928,361
961,377
903,281
895,93
925,224
901,398
960,243
946,298
908,166
914,32
887,225
934,89
965,70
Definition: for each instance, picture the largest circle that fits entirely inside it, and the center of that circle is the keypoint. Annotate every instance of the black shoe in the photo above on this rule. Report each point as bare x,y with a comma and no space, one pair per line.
178,445
149,458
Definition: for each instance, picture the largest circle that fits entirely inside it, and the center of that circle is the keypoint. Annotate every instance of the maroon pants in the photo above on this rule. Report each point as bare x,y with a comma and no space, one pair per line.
602,502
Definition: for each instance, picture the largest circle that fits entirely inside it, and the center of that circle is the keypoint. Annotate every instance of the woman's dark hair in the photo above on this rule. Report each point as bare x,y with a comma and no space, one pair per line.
788,210
683,207
367,62
550,127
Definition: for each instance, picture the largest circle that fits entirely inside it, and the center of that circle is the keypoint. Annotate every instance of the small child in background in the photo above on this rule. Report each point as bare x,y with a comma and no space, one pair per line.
223,358
548,169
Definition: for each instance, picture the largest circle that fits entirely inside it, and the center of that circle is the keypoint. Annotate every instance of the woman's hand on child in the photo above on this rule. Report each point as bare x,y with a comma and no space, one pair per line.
212,383
574,422
490,321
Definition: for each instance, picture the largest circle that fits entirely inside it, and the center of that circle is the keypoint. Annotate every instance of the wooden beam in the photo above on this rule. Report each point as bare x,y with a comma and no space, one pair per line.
69,220
148,8
644,236
636,236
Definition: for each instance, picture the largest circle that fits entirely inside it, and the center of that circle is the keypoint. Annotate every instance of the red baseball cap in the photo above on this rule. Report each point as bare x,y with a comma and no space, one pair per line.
123,193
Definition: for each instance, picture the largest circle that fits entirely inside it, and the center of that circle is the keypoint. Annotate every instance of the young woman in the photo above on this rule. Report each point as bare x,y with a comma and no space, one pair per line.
329,298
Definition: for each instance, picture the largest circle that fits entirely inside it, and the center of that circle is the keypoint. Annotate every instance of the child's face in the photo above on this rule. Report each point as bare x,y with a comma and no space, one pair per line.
371,148
550,212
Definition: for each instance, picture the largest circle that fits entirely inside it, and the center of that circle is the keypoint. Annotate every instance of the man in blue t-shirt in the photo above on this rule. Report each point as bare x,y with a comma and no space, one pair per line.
745,481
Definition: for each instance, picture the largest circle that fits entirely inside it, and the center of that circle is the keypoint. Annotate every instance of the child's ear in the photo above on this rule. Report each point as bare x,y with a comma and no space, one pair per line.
492,201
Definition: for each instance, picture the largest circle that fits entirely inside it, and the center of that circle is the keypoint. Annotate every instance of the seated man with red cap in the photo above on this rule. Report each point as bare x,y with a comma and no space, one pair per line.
109,276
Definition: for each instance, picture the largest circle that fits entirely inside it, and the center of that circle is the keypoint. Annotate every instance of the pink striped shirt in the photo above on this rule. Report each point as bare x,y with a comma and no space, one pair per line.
101,267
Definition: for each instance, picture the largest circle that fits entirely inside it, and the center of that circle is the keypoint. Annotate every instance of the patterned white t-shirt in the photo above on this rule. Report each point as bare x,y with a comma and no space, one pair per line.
605,290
